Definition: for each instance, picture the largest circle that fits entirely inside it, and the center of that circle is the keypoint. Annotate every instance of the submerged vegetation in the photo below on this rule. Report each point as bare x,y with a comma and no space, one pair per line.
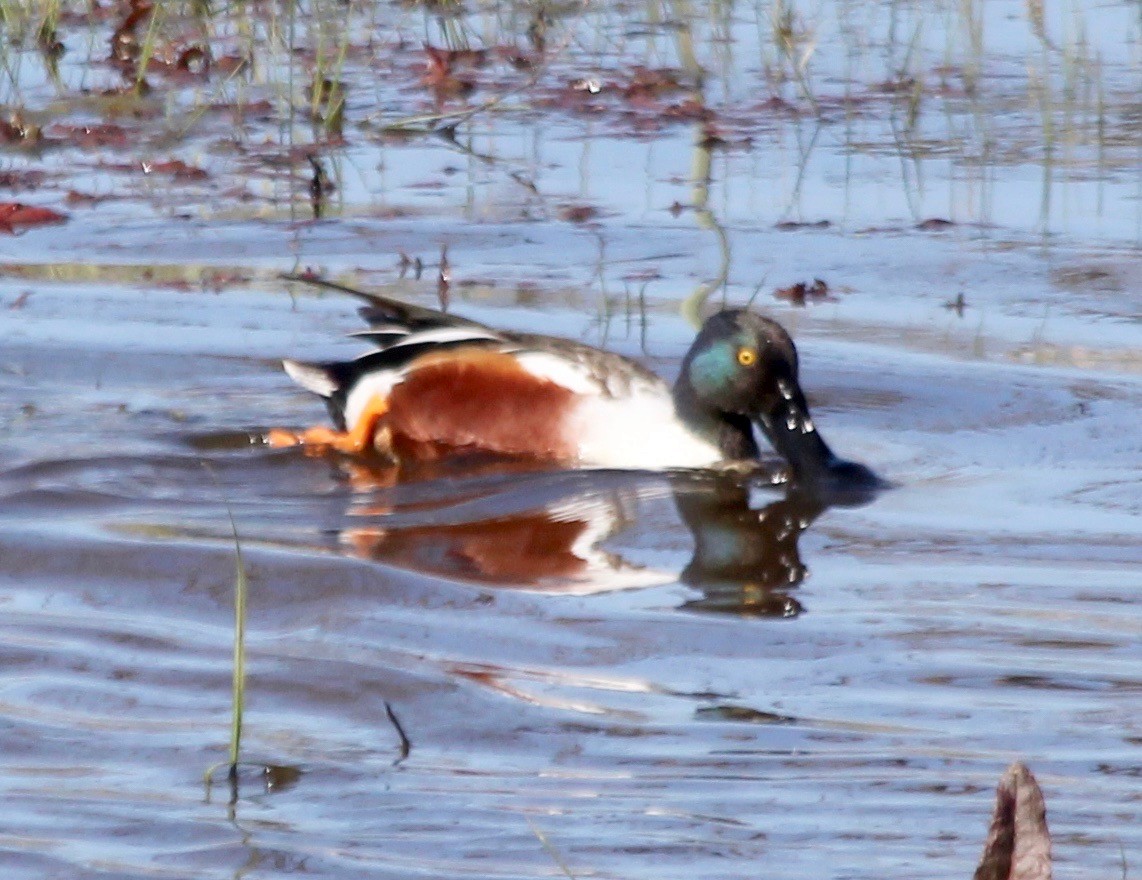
242,100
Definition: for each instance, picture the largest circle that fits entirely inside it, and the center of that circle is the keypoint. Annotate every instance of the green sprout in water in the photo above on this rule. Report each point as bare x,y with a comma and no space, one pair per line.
238,683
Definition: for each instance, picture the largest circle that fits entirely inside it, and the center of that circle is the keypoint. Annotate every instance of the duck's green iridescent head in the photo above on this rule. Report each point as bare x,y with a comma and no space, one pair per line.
737,360
744,367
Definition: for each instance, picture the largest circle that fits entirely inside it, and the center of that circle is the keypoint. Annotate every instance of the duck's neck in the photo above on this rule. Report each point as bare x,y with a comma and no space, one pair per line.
731,433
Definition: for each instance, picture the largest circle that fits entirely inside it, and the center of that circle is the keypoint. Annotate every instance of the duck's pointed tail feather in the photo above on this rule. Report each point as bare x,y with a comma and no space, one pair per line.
331,381
383,310
318,378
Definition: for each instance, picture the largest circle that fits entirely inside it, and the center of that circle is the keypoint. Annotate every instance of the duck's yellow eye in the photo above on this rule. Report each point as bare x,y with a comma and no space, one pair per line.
747,357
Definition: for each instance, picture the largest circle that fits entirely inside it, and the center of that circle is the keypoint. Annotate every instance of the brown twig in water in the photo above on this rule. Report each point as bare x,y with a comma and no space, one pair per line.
405,744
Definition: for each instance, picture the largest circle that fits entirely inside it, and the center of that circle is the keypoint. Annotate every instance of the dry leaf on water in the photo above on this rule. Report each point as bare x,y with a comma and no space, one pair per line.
800,293
17,214
1018,844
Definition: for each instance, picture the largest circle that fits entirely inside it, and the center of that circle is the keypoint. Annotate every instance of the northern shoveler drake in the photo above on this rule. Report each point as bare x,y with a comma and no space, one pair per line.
437,383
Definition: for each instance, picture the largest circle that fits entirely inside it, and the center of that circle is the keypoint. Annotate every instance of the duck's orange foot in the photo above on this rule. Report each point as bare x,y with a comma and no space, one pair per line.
279,438
318,440
353,442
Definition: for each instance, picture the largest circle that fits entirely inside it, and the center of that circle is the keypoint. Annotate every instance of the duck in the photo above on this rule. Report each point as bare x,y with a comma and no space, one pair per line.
436,383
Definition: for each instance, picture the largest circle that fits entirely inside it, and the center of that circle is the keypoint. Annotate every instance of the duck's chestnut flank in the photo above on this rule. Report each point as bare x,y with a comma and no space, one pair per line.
474,398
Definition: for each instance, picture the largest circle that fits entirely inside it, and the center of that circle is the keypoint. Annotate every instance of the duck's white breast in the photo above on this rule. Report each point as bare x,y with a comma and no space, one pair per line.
629,424
638,431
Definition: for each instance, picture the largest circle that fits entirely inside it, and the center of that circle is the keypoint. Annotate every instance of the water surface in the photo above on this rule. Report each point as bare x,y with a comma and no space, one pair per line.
639,675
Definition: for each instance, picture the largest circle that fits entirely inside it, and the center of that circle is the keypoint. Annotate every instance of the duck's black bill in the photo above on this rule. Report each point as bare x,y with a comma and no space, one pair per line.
815,468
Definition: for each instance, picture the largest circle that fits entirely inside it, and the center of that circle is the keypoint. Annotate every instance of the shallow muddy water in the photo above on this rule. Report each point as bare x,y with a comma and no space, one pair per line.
598,673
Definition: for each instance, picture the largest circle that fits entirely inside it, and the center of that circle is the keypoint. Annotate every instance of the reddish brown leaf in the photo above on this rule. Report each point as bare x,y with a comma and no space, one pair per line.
800,293
935,224
231,64
75,197
642,275
22,179
901,85
140,9
176,168
787,225
577,96
648,84
1018,843
14,129
17,214
439,75
778,105
104,134
578,213
194,59
688,109
517,58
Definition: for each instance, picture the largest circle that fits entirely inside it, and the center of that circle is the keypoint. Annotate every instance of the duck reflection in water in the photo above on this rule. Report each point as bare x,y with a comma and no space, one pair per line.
746,559
514,525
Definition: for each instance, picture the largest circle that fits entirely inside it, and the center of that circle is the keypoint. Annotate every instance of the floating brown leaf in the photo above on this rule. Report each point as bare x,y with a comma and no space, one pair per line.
689,109
440,66
230,64
75,197
1018,844
578,213
176,168
900,85
125,46
17,214
517,58
32,179
801,293
102,134
778,105
194,59
788,225
648,84
15,129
